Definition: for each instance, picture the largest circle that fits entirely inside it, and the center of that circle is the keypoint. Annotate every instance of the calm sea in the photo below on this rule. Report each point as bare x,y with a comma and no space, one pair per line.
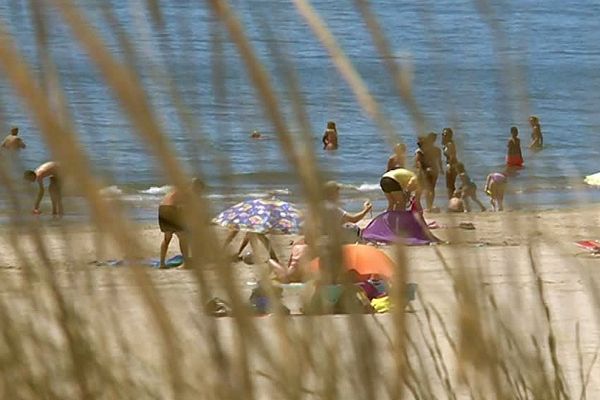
545,61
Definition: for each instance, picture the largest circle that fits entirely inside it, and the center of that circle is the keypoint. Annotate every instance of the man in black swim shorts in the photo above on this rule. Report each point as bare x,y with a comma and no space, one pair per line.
171,221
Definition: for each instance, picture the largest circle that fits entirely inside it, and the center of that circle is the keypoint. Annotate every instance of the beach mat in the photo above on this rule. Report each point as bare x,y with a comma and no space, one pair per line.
394,227
172,262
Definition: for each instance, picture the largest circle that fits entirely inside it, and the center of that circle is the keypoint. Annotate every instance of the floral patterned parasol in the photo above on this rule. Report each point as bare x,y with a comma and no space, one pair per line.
264,216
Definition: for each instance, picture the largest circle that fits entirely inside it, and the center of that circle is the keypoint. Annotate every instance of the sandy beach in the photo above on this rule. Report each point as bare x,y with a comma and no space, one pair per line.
496,253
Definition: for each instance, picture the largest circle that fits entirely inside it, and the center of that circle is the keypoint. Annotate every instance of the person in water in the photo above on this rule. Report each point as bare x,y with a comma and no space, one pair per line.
13,142
255,135
330,137
171,220
537,140
468,189
398,185
449,150
398,159
514,157
48,170
495,186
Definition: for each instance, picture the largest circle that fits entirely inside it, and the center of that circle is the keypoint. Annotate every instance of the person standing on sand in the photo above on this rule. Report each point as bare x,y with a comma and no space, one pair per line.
537,140
449,150
427,172
13,142
330,137
514,157
171,220
398,159
48,170
434,160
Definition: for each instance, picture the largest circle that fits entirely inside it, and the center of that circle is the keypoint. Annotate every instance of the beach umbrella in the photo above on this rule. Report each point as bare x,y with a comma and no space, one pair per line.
366,260
264,216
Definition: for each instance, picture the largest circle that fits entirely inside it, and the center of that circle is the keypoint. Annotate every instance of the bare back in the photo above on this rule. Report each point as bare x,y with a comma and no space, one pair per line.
12,142
171,199
46,170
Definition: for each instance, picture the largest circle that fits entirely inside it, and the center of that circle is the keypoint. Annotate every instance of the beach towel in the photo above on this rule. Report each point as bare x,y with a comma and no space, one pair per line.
592,246
172,262
394,227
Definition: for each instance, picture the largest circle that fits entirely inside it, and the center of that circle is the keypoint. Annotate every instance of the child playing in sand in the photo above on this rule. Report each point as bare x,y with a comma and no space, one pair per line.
456,203
468,189
495,185
514,157
47,170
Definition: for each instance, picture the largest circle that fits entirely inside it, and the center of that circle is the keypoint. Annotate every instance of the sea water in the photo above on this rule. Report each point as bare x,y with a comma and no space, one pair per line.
477,72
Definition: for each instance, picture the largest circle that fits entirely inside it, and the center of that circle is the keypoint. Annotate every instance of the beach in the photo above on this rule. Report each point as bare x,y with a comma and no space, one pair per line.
495,255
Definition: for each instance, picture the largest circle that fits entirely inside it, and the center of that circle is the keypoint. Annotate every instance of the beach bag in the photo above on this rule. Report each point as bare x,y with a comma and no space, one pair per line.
382,304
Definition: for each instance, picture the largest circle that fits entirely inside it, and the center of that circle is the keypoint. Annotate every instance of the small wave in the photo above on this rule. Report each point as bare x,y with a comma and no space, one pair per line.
112,190
368,187
156,190
252,195
364,187
593,180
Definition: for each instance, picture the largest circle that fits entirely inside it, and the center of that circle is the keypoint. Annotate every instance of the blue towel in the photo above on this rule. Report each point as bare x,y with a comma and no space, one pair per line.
172,262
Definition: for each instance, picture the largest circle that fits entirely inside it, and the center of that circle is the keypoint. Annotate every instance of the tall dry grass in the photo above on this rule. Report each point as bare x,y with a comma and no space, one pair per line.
78,332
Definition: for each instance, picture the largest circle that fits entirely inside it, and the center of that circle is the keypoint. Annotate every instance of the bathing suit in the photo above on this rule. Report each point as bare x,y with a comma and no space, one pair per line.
498,177
514,157
169,219
514,161
396,180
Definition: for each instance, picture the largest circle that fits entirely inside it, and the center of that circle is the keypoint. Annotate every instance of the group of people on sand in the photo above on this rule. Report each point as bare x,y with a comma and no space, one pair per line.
404,187
13,143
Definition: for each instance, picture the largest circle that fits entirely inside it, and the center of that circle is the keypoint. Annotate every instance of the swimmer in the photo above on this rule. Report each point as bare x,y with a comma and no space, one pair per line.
48,170
537,140
330,137
13,142
514,157
256,135
495,185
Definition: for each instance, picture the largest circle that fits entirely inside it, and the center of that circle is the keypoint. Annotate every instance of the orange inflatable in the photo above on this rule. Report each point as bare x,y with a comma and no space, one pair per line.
366,260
